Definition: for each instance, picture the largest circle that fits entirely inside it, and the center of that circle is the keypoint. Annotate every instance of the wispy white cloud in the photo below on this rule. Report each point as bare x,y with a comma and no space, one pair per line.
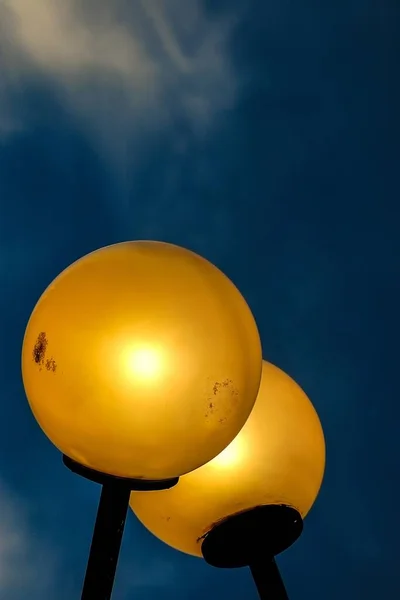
27,567
121,68
129,76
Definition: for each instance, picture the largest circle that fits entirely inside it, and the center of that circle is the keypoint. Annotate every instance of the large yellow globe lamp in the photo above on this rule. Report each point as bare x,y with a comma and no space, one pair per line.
141,361
253,496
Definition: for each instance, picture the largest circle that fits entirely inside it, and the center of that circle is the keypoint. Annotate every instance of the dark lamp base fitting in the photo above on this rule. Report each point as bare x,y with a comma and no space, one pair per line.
265,530
109,527
135,485
253,538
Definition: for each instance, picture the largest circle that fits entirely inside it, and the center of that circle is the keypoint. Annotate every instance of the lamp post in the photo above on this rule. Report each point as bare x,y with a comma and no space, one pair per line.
247,505
141,362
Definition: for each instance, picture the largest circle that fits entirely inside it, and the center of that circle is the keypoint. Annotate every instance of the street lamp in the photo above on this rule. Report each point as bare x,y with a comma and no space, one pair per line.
248,504
141,362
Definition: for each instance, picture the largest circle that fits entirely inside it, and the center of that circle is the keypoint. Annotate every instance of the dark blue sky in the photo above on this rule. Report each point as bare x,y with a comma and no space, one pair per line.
265,136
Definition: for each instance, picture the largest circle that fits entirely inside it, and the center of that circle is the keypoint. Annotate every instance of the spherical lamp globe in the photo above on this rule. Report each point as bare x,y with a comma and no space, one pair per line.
278,458
141,360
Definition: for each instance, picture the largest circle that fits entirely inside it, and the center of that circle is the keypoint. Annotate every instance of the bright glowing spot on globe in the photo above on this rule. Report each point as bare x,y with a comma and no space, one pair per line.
145,363
231,457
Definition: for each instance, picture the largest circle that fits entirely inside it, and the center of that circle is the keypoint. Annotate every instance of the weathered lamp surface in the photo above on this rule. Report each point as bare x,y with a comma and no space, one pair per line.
141,360
277,458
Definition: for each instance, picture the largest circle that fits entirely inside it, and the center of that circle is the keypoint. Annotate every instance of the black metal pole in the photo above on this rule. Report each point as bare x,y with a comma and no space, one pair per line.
268,580
106,542
109,526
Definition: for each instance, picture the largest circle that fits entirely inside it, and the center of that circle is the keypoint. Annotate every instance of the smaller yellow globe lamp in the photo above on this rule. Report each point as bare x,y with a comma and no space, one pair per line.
141,362
248,503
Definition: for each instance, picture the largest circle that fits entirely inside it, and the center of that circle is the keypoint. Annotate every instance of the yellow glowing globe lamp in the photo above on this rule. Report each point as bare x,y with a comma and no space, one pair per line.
278,458
141,360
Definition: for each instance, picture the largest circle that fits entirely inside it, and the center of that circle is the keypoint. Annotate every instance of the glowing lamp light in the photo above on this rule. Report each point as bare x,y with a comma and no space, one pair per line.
141,360
143,363
278,458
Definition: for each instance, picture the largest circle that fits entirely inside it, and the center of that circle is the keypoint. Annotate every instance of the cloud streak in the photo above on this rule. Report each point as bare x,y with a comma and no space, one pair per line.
26,565
121,69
